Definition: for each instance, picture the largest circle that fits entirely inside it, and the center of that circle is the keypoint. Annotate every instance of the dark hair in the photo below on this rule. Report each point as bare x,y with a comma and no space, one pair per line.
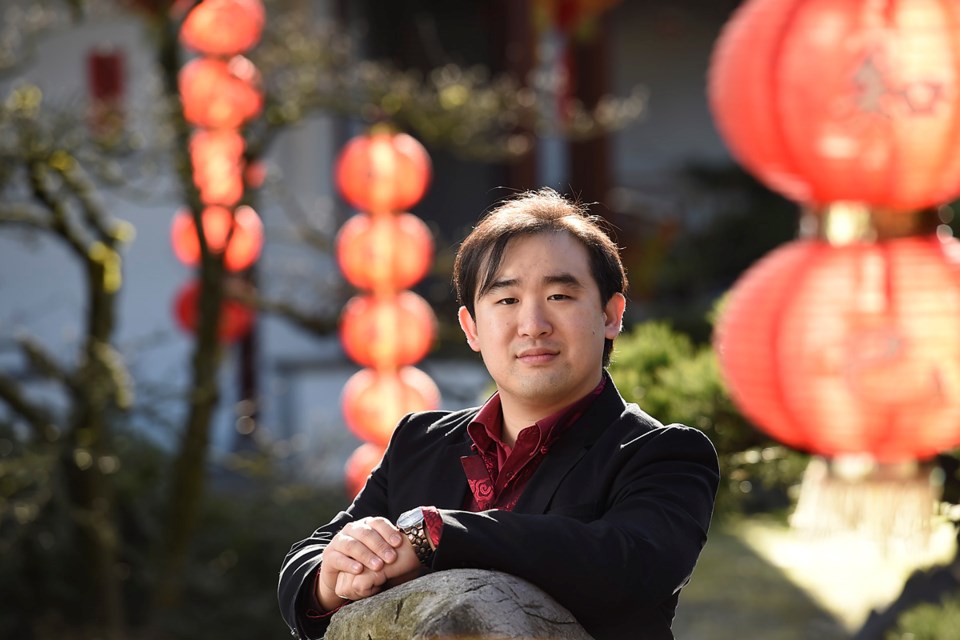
531,213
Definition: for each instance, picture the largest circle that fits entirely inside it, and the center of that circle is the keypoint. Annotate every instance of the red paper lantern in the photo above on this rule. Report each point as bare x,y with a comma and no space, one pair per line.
833,100
223,27
391,252
387,332
236,319
246,239
382,172
849,349
255,174
220,94
218,166
373,402
360,465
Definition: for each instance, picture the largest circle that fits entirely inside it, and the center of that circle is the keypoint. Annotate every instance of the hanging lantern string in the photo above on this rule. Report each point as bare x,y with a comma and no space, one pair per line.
890,504
220,92
388,328
845,341
842,223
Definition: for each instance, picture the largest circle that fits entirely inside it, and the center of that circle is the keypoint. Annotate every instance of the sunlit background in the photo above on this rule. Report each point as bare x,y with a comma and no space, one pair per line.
175,412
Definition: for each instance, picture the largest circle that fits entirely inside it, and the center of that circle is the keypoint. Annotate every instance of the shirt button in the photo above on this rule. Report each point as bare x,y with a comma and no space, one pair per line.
544,450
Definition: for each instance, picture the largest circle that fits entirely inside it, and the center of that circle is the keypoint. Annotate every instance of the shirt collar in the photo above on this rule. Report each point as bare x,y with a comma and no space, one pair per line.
486,428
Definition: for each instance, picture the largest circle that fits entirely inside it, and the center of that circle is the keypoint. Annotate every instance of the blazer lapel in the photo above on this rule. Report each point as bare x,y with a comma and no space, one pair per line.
448,489
567,451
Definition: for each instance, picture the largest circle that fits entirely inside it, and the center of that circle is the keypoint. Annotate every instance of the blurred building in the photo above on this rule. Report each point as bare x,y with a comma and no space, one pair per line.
638,175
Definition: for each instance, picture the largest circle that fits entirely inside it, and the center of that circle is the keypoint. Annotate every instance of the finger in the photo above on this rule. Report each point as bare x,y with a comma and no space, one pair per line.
358,548
406,562
387,530
370,537
366,584
334,561
367,590
343,585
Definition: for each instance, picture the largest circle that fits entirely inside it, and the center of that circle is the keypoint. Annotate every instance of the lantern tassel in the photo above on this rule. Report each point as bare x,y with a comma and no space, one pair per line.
892,504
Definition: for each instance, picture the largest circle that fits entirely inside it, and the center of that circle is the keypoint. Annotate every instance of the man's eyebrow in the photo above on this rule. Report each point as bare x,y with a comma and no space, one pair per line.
567,279
563,278
503,283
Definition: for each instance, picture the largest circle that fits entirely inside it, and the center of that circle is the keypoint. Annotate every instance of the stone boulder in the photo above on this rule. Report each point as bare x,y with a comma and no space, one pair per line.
466,604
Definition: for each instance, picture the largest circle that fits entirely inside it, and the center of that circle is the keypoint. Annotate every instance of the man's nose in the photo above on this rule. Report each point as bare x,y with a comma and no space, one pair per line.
533,320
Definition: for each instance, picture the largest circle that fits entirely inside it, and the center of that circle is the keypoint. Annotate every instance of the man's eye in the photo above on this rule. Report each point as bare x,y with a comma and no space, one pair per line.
558,296
507,301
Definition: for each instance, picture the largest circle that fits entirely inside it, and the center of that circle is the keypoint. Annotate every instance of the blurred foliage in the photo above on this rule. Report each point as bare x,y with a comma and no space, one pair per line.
675,380
929,621
38,578
730,221
309,65
248,521
247,526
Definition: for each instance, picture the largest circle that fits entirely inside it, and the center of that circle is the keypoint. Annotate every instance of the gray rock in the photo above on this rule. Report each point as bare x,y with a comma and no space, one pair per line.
466,604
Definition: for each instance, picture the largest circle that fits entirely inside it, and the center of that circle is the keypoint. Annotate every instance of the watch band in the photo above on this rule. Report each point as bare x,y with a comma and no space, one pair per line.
421,546
413,524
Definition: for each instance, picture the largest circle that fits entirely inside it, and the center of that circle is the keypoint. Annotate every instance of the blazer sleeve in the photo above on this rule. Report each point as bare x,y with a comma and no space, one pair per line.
636,551
301,563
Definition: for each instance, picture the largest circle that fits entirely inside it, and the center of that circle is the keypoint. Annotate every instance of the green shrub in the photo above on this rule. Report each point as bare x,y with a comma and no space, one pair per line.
246,530
939,621
675,380
251,515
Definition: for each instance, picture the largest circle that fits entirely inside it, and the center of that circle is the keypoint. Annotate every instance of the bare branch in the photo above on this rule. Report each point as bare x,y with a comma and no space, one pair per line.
58,208
470,111
309,231
320,326
24,215
44,362
110,231
40,420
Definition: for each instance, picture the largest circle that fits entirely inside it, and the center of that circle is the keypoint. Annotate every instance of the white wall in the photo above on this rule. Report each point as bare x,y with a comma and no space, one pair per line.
300,376
666,48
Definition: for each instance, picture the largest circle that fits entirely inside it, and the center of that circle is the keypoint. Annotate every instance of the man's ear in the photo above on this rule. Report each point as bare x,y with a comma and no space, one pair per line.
613,315
469,328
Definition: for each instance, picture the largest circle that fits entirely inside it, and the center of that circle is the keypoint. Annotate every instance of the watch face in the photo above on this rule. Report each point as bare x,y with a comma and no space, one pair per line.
410,518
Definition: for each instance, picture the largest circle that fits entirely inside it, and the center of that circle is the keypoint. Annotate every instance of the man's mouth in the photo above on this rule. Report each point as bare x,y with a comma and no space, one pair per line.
537,355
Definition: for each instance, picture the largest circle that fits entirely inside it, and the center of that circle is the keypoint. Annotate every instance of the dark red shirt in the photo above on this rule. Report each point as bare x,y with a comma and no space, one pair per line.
497,473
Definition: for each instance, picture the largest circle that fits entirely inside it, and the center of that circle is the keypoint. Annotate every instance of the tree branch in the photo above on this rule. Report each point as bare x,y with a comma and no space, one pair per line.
40,420
58,208
24,215
111,232
303,319
44,362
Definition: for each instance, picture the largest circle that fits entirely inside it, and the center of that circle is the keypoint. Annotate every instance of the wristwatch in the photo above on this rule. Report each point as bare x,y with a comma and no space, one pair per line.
413,524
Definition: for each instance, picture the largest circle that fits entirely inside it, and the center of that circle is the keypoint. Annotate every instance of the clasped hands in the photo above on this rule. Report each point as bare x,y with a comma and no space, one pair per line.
362,559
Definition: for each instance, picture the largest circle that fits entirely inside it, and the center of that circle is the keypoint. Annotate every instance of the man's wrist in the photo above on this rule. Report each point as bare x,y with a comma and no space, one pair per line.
327,601
413,525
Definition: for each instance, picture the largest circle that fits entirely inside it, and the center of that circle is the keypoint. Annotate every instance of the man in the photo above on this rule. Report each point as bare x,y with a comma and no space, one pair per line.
555,479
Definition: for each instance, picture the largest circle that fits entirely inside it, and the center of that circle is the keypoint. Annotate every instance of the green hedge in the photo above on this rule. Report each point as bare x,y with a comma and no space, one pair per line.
676,380
929,622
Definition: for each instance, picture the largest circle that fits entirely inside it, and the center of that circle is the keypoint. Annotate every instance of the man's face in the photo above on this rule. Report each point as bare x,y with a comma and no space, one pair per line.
541,327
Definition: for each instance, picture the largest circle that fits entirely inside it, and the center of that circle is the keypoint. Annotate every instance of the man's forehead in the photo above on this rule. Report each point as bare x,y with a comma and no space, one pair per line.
567,260
570,266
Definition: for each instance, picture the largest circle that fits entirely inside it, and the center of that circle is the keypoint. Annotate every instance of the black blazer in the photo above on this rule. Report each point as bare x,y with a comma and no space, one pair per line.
610,524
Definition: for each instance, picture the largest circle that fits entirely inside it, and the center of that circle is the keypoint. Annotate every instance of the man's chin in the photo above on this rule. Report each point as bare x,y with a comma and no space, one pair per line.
542,387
